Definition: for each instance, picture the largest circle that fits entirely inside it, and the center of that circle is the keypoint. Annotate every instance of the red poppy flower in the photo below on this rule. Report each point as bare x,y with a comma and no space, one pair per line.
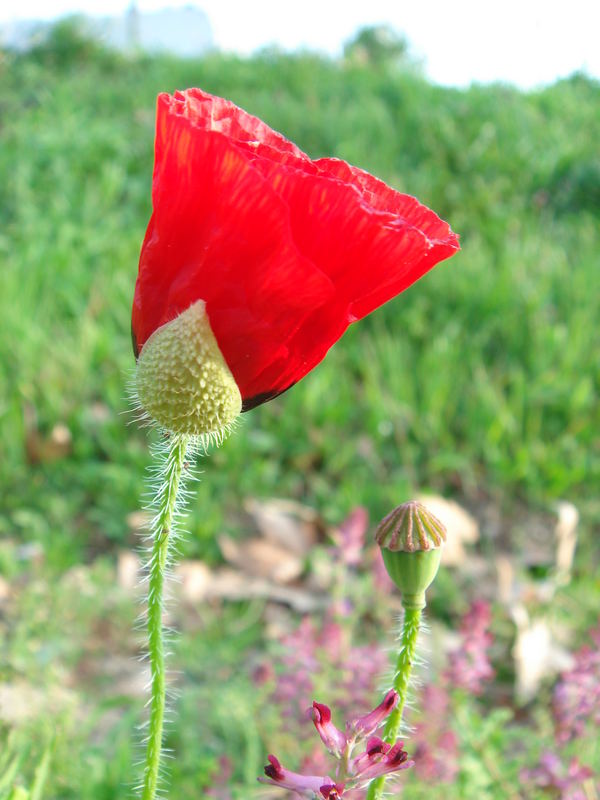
285,251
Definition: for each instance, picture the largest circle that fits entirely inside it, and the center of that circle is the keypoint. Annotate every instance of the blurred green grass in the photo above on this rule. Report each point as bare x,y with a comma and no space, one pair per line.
481,381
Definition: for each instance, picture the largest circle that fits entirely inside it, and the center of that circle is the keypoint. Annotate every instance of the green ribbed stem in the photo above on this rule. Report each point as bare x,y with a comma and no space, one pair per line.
166,502
406,657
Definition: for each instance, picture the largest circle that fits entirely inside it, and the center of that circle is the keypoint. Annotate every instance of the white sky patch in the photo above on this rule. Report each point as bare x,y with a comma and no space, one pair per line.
526,42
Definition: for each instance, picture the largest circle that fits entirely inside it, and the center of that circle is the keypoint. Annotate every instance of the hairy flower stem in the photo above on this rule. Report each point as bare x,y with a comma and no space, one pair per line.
166,504
404,664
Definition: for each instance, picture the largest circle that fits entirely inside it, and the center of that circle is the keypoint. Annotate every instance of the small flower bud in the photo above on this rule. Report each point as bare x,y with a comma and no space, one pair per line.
333,739
411,540
302,784
367,724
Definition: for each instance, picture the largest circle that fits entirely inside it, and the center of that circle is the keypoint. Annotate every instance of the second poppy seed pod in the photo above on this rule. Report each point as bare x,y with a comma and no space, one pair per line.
411,540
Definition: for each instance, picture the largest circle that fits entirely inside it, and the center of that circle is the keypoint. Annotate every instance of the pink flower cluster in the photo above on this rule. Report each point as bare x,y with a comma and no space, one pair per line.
327,648
349,538
576,701
470,666
313,649
563,783
220,789
353,770
437,744
436,754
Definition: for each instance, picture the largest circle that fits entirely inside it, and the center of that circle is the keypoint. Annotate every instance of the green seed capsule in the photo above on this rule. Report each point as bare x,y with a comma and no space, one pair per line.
412,573
411,540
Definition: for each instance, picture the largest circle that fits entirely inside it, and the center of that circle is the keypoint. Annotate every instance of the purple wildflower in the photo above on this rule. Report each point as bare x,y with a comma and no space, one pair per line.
368,724
305,785
550,774
436,754
576,701
353,772
333,739
315,650
349,537
379,758
470,666
220,781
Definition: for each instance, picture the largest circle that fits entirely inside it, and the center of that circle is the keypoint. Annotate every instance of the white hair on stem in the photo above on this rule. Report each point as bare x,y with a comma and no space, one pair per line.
166,497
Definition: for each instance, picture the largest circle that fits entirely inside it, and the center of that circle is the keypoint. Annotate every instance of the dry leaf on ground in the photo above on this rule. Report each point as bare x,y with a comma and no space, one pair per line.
42,449
262,558
197,583
537,654
128,570
19,701
293,526
566,539
461,526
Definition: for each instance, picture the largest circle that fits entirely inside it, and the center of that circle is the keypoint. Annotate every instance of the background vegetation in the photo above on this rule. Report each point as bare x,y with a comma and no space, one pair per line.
480,382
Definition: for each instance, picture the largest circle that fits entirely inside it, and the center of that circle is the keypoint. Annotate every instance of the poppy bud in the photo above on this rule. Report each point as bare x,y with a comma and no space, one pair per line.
411,540
182,379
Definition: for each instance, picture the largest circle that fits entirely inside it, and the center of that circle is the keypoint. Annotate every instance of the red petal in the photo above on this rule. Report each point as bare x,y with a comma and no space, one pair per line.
219,233
372,241
210,113
286,252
